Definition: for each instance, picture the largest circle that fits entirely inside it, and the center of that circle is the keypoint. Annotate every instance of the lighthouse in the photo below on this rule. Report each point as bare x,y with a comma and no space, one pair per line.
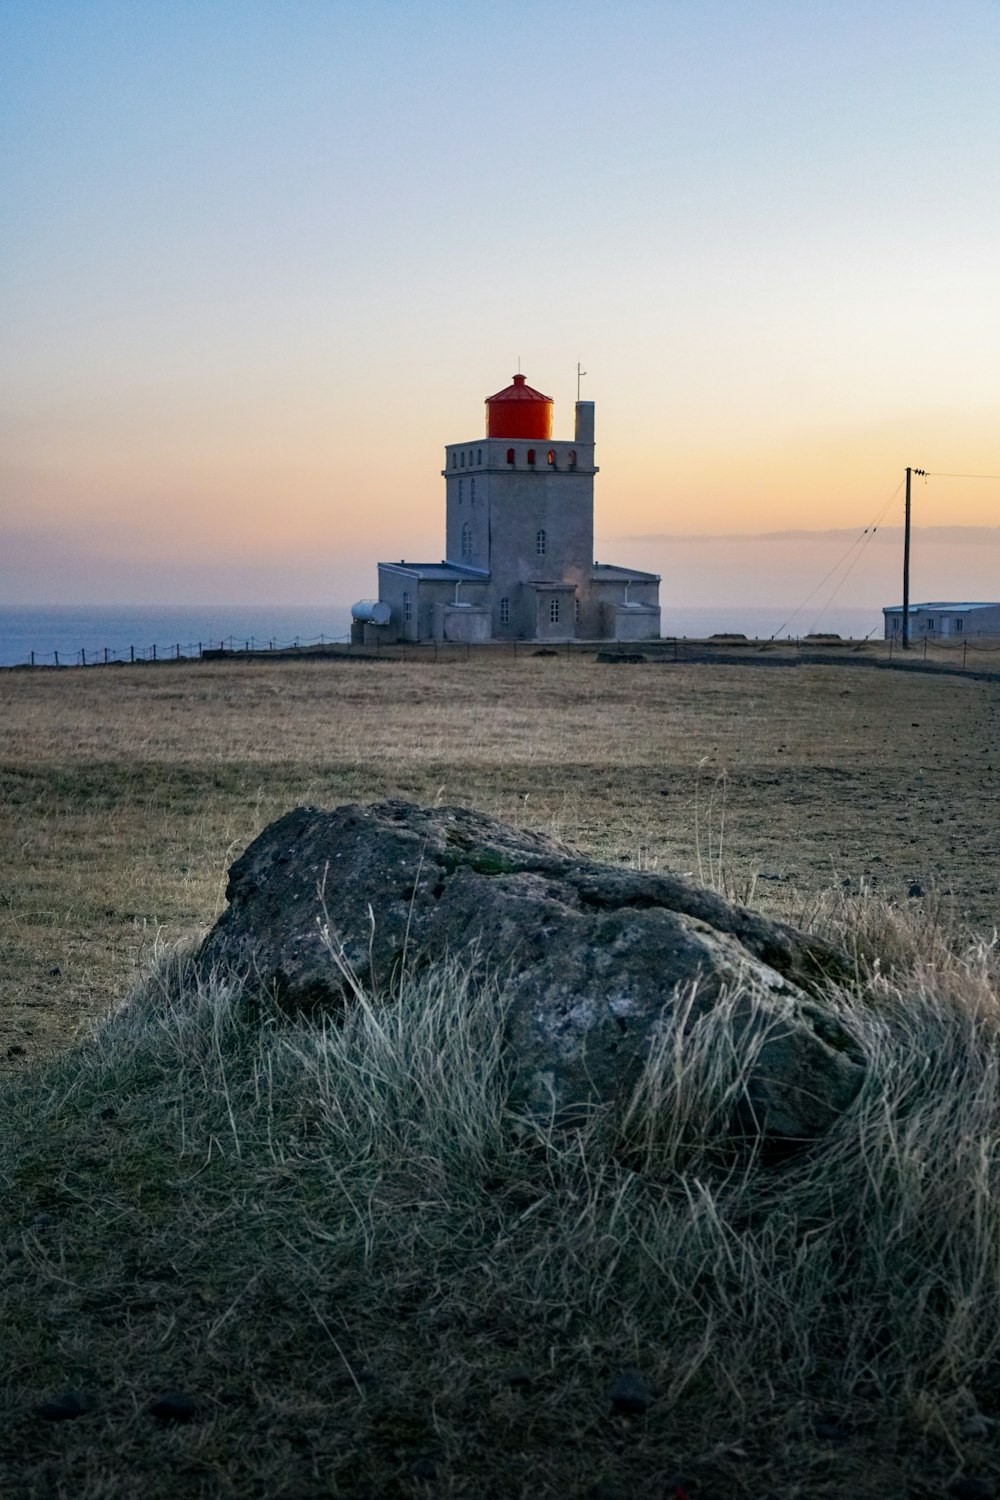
519,543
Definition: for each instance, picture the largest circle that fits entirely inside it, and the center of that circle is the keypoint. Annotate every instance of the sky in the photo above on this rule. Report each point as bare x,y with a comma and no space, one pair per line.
261,261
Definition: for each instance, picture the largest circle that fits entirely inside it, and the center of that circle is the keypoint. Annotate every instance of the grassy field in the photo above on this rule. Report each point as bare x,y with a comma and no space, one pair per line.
127,792
331,1239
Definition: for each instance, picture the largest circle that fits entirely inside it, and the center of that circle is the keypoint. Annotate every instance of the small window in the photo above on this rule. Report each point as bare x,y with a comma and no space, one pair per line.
531,455
461,491
540,544
479,455
554,611
571,458
895,622
510,455
463,460
959,625
576,611
552,458
407,608
930,624
472,492
504,611
454,460
466,540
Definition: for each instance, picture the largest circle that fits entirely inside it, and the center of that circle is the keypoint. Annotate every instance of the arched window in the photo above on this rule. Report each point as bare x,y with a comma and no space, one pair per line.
571,457
466,540
470,458
479,455
504,611
540,543
454,460
552,458
531,455
461,491
554,611
463,460
510,455
472,491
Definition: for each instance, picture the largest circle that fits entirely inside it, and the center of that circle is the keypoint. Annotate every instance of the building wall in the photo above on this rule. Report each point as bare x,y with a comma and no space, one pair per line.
944,623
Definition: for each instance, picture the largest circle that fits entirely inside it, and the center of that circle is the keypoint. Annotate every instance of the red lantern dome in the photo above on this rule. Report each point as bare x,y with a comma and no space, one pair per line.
519,412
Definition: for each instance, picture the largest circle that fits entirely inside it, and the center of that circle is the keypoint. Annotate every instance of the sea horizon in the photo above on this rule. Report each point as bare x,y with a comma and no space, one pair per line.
86,633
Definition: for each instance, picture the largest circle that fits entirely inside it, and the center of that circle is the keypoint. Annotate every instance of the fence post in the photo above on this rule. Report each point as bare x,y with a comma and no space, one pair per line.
32,658
965,647
154,653
56,655
177,652
83,657
105,656
925,648
675,648
131,653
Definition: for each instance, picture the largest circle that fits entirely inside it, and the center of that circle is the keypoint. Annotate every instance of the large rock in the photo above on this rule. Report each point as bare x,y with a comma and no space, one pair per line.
594,958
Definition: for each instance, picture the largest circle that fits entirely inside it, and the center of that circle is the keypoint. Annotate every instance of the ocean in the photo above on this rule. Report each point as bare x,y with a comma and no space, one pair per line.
94,633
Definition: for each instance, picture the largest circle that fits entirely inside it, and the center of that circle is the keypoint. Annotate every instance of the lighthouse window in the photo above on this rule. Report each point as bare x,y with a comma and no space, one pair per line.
504,611
470,458
407,608
554,611
572,458
472,492
466,540
540,543
479,455
510,455
463,460
461,491
552,457
454,460
531,455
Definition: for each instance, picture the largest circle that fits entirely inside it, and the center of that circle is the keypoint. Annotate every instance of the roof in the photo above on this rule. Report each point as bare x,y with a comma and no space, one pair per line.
952,609
612,573
440,572
519,391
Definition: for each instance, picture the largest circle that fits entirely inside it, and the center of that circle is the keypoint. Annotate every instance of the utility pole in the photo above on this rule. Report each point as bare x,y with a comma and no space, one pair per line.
906,560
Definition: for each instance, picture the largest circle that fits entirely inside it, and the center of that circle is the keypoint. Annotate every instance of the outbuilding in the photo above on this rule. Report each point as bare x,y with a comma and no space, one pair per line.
945,621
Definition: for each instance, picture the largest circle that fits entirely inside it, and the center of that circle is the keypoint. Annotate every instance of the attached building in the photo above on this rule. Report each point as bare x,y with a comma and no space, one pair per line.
943,621
519,544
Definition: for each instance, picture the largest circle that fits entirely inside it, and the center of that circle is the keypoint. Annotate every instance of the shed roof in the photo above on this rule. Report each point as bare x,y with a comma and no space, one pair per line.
612,573
441,572
946,607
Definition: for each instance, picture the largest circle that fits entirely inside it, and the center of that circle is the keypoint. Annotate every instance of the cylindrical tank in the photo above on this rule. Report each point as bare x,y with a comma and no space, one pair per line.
519,412
371,612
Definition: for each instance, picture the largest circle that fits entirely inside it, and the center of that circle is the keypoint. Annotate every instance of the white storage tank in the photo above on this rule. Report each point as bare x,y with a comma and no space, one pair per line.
371,612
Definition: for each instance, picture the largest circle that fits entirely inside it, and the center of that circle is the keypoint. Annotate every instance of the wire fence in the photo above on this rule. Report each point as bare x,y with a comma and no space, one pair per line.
963,654
87,656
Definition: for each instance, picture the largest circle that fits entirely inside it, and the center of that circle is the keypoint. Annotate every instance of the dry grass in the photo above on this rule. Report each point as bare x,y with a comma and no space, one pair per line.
334,1238
372,1283
127,791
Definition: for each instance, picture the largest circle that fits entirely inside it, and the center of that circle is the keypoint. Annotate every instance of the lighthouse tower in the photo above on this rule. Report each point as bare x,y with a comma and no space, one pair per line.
519,542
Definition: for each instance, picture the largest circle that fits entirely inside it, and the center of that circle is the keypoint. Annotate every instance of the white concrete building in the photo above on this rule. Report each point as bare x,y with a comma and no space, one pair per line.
519,543
943,621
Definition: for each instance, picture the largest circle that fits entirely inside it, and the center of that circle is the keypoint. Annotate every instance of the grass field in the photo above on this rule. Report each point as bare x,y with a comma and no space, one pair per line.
127,792
331,1239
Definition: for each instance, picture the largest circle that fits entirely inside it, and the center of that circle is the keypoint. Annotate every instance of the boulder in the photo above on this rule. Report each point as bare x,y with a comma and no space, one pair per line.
594,958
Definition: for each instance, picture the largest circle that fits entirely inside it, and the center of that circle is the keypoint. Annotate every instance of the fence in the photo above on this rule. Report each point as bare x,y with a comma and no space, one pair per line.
965,655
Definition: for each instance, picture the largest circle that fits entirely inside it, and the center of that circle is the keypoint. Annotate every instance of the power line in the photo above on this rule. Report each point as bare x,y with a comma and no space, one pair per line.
859,541
933,474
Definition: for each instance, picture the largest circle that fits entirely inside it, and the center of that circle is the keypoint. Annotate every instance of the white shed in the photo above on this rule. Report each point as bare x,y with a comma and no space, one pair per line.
939,621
